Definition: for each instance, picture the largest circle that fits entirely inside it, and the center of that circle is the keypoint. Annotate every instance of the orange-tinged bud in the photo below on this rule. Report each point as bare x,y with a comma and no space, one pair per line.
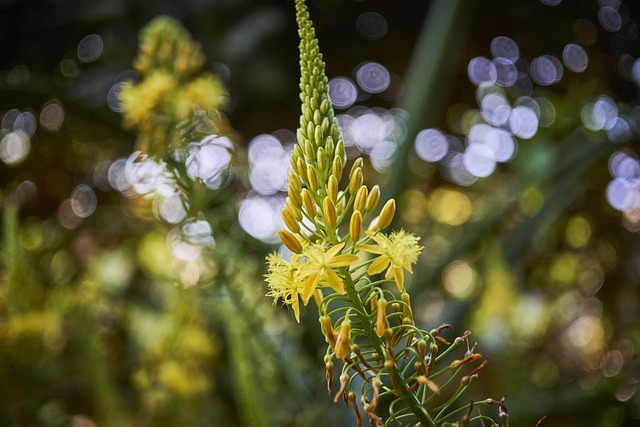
361,199
330,334
290,221
355,226
342,343
290,241
381,319
386,214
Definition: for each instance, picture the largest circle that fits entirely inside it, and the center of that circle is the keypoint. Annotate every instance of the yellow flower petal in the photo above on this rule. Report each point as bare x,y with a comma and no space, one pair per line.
378,265
335,282
343,260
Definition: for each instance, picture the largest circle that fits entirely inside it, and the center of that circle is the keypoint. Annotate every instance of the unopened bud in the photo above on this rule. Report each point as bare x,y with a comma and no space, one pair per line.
329,211
290,241
318,136
386,214
321,159
306,113
330,334
308,150
372,199
317,118
336,166
332,187
361,199
312,179
324,106
294,195
381,319
340,150
290,221
329,145
301,167
355,181
311,130
355,226
358,163
308,203
342,343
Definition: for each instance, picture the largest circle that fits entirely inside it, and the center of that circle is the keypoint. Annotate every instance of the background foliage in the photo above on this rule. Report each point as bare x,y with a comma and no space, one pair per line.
101,320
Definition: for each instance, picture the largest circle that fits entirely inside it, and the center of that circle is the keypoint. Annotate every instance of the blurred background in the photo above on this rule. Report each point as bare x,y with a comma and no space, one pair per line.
508,132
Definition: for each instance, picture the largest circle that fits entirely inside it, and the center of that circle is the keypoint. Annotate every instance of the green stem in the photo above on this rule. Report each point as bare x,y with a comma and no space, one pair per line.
409,397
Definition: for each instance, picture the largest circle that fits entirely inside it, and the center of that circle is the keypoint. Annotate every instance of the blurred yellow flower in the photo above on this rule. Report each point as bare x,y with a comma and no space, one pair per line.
396,252
139,101
319,270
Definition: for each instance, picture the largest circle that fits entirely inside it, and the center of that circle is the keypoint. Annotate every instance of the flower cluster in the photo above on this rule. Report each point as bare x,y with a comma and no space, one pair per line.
355,272
172,89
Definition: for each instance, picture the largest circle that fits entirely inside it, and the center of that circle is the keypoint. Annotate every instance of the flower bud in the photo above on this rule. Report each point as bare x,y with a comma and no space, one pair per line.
336,166
308,150
340,150
313,102
357,164
317,118
329,211
332,187
342,342
290,221
355,226
294,195
355,181
321,159
312,179
293,209
311,130
372,199
324,106
318,136
330,334
361,199
308,204
386,214
301,168
290,241
381,319
306,113
297,148
329,144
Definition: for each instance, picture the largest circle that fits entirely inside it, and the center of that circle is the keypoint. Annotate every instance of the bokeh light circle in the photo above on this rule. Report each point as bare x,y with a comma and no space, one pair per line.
342,92
431,145
90,48
373,77
371,25
575,58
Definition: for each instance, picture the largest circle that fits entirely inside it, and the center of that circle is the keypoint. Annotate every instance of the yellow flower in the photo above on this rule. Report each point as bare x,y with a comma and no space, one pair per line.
280,279
397,251
318,270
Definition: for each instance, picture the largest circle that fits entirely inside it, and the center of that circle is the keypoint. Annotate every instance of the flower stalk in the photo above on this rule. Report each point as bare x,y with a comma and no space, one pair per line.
355,272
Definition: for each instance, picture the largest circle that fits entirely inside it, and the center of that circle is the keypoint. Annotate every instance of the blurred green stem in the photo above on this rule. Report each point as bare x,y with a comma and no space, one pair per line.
430,73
